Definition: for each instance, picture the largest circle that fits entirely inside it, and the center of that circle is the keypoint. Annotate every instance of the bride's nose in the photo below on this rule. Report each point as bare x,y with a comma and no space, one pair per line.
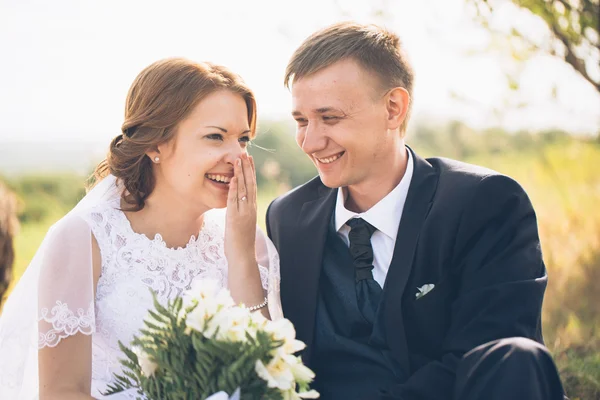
233,152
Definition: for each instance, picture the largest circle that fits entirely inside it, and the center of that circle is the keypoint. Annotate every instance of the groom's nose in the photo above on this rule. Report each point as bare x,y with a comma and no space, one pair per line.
311,139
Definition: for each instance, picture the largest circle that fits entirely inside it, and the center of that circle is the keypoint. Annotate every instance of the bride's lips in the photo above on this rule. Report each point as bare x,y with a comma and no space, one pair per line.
220,181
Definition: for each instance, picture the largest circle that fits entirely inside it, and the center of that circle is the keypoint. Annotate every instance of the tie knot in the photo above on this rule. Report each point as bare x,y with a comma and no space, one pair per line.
360,225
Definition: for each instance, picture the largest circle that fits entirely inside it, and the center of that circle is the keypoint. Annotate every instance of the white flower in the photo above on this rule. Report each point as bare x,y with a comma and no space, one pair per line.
300,371
224,396
208,298
196,319
147,365
218,396
311,394
292,395
209,292
230,324
258,320
283,371
277,373
202,288
283,329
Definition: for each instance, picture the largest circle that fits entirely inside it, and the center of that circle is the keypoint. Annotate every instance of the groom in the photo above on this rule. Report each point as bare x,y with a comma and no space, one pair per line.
408,278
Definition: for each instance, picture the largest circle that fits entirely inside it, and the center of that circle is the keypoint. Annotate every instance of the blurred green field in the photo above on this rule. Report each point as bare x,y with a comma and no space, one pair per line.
558,172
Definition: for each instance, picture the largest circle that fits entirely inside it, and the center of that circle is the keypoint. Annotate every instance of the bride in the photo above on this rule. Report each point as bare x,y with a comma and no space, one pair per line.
150,222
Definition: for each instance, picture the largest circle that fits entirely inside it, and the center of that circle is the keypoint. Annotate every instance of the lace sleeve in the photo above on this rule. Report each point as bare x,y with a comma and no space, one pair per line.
53,300
268,263
66,284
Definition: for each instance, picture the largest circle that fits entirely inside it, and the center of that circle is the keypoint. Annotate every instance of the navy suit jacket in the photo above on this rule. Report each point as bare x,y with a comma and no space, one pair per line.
468,230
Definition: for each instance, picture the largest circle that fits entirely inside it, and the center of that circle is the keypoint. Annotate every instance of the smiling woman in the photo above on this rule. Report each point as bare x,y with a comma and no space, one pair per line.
148,225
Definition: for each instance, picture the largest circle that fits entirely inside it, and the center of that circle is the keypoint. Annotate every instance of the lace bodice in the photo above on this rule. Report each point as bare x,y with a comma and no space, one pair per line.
132,265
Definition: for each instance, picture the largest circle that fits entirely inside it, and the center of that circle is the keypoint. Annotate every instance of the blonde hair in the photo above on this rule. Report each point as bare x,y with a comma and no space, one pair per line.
161,96
376,49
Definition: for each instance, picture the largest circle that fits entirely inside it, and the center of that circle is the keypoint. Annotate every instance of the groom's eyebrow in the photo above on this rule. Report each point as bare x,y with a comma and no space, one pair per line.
324,110
321,110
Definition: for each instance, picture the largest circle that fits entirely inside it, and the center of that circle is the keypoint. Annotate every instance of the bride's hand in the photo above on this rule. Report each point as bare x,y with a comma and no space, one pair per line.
240,223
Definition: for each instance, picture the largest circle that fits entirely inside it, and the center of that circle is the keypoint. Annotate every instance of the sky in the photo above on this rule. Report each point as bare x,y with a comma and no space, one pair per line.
66,65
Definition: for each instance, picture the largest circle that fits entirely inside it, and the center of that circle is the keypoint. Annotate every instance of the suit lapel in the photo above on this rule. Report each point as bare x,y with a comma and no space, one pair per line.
308,245
417,206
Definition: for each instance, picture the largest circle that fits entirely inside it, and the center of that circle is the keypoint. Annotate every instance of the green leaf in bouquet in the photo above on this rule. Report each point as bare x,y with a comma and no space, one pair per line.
159,307
154,328
121,384
256,390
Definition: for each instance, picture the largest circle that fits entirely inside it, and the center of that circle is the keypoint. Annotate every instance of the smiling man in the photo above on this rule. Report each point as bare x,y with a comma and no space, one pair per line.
408,278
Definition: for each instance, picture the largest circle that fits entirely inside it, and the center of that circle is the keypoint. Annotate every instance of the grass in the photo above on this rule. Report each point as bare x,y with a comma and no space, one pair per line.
579,368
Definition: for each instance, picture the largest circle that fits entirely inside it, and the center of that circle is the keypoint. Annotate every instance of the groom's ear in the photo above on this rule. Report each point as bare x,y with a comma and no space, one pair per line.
397,101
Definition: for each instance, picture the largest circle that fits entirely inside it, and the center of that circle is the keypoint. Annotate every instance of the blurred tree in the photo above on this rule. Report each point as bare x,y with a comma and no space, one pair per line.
46,195
573,31
280,164
8,227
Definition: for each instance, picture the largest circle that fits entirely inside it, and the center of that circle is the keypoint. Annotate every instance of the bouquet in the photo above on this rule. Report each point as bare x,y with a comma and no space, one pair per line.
202,345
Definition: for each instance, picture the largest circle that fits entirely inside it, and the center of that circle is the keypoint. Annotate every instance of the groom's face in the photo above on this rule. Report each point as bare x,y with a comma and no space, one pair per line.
342,124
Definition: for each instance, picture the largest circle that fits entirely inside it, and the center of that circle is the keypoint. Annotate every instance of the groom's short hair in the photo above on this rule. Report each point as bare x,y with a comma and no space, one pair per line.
8,227
376,49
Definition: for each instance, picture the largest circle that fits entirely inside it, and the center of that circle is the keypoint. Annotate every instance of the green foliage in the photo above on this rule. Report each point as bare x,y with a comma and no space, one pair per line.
573,25
46,196
280,163
190,366
579,369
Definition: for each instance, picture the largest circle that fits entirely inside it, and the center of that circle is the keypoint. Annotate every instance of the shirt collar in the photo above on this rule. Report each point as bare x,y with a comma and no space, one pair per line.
386,214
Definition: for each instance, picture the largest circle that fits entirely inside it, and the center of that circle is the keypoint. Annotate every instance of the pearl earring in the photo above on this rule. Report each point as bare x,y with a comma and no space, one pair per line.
156,159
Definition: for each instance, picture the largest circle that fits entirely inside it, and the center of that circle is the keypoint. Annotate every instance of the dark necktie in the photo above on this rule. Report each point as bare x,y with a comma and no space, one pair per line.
368,291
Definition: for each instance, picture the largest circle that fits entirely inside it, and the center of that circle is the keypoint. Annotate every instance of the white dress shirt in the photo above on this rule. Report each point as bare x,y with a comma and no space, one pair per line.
384,216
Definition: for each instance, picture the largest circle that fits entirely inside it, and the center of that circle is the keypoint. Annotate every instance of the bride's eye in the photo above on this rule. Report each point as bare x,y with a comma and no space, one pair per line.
215,136
244,140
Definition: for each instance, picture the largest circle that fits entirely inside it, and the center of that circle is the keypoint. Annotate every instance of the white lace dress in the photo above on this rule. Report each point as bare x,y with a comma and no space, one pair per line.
132,264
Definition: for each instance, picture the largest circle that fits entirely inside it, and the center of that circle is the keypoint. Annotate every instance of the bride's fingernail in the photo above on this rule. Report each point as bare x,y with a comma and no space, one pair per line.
239,162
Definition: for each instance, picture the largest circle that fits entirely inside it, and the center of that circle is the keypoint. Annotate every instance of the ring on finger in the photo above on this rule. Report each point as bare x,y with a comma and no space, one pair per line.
244,198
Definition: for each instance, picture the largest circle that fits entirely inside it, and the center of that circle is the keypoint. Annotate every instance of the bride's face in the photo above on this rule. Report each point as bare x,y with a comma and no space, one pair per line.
197,165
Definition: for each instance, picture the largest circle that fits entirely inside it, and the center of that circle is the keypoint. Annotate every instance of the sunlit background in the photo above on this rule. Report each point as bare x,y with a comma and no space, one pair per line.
492,88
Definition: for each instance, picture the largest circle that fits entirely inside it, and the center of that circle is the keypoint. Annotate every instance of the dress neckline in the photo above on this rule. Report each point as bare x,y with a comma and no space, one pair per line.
158,239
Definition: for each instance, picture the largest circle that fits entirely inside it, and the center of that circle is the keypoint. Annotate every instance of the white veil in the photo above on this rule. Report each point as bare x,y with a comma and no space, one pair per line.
54,298
45,305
